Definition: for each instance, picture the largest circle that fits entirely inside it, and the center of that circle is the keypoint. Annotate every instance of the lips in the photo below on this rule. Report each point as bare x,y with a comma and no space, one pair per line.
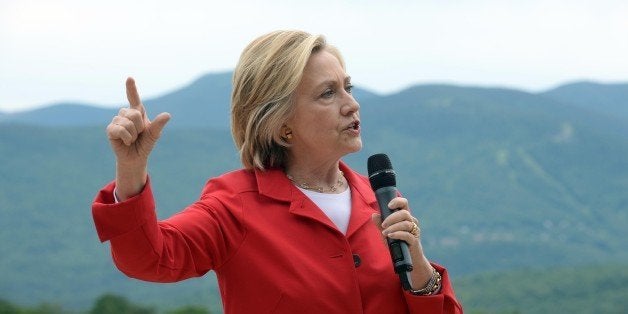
355,125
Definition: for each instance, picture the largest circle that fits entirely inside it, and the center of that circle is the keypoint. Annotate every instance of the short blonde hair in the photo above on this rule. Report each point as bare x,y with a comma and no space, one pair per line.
268,72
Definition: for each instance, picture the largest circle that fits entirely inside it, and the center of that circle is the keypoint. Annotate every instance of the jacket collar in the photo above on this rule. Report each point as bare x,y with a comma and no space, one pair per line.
273,183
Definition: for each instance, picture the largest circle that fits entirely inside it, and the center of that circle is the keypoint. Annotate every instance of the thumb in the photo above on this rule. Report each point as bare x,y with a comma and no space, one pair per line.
377,220
158,124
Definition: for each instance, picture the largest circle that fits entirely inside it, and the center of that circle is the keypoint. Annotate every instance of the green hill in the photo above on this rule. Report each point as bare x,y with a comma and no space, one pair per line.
596,289
61,114
203,103
608,99
502,180
587,289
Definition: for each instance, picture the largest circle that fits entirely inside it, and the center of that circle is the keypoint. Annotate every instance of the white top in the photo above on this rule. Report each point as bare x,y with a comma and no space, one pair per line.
336,206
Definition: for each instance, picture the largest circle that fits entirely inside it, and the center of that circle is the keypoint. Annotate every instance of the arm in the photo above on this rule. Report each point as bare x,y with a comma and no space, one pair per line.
442,302
185,245
141,246
401,225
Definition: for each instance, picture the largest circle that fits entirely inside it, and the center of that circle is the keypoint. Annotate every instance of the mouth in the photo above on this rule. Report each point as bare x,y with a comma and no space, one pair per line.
355,126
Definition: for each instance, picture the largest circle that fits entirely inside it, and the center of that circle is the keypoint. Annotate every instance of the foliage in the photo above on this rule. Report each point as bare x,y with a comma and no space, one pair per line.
114,304
105,304
586,289
190,309
501,180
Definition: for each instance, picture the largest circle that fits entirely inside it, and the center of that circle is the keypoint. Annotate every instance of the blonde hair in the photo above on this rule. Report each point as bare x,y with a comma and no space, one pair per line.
269,70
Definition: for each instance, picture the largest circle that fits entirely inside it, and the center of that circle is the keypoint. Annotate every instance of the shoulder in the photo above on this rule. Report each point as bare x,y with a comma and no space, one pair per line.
233,182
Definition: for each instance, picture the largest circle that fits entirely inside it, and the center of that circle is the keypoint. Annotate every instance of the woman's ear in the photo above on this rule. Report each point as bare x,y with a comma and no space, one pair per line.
286,133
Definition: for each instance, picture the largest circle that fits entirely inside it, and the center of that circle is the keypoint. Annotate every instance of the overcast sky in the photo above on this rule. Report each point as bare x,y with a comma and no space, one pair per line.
71,50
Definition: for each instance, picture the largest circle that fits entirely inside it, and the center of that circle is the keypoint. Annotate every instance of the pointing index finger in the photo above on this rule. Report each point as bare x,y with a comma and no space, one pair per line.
133,96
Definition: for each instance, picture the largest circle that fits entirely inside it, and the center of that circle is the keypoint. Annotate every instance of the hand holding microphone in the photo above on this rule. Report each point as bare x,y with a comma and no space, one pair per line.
400,227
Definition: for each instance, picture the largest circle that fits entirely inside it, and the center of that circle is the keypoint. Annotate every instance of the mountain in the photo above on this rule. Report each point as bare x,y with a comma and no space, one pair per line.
518,158
202,103
502,180
205,103
61,114
607,99
550,290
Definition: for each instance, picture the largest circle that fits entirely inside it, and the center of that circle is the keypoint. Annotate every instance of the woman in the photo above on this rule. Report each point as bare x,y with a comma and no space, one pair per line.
296,230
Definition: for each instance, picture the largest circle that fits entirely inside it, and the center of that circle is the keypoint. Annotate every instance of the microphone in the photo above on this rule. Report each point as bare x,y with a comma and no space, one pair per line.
383,183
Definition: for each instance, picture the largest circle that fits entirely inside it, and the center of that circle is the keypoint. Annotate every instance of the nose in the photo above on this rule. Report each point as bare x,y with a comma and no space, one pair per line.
350,105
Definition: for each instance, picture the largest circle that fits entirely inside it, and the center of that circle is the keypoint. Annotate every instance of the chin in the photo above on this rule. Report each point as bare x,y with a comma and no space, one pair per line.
356,147
353,146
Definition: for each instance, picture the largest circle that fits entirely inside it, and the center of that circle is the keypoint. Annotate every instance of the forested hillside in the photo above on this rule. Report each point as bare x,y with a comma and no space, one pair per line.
511,187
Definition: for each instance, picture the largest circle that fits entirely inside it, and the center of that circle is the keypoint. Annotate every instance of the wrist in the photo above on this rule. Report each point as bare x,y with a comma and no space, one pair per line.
130,181
433,285
421,271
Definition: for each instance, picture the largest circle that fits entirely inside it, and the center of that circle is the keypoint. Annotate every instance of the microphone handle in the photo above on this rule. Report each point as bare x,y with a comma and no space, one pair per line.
399,250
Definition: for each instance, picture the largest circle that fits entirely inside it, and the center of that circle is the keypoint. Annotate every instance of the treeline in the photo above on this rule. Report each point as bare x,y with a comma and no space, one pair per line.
585,289
105,304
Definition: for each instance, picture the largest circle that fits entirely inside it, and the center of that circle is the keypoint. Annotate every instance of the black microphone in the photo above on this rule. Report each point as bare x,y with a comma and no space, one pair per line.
383,183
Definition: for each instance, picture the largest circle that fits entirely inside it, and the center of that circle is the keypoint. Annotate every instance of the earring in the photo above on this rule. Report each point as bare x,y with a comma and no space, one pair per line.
288,135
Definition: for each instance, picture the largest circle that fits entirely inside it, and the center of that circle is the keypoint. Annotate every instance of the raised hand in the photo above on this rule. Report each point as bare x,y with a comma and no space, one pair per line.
132,136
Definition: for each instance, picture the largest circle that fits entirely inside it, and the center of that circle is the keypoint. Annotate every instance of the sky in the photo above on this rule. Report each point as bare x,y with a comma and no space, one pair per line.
82,51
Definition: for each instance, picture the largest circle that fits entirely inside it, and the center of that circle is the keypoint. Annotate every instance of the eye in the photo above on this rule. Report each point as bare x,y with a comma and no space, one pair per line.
349,88
328,93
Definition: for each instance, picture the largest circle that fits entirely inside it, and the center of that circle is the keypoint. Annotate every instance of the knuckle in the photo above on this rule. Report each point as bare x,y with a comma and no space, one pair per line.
134,113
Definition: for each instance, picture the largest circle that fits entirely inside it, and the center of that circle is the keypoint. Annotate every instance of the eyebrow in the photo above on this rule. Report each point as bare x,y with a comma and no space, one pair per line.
330,82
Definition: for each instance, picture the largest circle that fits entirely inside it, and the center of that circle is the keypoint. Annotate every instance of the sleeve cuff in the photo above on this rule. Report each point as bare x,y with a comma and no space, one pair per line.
113,218
442,302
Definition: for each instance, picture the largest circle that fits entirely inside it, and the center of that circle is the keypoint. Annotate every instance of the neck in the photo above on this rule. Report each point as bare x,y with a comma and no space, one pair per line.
320,178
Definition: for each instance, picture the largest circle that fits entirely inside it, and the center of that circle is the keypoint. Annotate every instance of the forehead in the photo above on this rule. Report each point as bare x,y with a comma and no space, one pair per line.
323,66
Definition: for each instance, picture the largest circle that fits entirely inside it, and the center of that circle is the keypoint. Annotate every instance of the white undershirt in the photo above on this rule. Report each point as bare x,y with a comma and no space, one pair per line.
336,206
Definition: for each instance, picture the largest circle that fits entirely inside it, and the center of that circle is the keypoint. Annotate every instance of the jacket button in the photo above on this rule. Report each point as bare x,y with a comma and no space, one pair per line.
356,260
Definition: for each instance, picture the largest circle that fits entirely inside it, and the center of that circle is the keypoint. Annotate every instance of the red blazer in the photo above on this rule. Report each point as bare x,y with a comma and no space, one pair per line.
273,250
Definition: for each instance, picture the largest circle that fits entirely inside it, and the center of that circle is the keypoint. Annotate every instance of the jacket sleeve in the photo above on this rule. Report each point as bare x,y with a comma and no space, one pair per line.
188,244
443,302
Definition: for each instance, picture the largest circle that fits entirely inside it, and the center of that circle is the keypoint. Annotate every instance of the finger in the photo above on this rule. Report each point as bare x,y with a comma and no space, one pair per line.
136,118
377,220
398,203
396,217
133,96
129,126
116,131
400,226
405,236
158,124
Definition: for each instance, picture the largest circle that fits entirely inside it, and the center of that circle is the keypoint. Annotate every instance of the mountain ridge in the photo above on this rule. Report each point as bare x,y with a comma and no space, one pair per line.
501,180
204,102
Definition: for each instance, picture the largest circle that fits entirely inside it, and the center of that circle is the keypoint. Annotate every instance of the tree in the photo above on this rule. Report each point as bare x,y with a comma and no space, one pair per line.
7,307
190,309
114,304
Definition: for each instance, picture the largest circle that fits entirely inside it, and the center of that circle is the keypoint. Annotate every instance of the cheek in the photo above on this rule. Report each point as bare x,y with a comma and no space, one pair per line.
321,122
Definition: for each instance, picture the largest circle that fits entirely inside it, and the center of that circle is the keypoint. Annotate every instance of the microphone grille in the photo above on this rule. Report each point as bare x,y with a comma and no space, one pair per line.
380,171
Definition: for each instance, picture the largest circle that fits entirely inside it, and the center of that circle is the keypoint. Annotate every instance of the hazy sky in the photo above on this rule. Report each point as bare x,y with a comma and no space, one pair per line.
56,50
